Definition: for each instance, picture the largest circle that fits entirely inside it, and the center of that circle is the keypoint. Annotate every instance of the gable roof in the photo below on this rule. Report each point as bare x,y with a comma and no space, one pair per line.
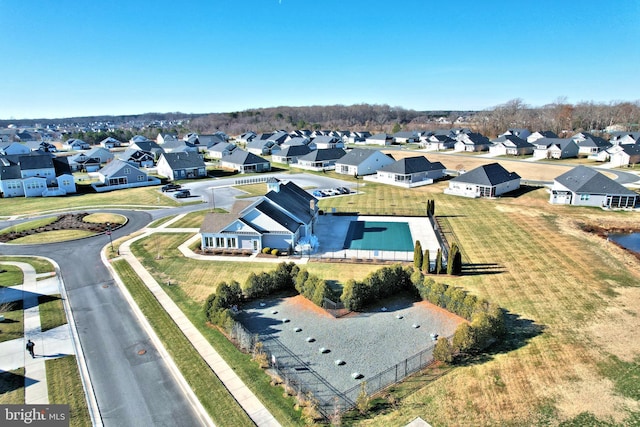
410,165
242,157
323,154
582,179
487,175
358,155
214,222
115,165
278,216
295,200
513,141
183,160
293,151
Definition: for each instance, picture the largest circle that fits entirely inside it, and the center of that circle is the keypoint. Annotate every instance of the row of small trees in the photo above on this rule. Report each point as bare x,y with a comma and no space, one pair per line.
421,260
486,320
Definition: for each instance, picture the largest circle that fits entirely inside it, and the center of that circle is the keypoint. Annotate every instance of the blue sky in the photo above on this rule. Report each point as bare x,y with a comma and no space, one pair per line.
74,58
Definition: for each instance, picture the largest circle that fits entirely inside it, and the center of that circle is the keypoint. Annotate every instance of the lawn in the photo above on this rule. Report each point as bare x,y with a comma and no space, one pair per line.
28,225
572,299
41,265
148,197
51,312
13,326
10,275
65,387
52,236
12,387
194,219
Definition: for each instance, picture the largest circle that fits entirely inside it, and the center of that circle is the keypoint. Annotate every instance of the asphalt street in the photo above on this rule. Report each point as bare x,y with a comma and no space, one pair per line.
130,388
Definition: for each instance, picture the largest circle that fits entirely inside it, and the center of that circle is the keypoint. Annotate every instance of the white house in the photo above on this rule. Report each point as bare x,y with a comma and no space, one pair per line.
490,180
362,161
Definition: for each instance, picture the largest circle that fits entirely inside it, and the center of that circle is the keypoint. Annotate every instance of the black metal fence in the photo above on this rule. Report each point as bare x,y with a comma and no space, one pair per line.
300,380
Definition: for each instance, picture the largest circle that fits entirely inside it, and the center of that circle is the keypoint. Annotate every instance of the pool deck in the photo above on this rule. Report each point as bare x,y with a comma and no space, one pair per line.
331,231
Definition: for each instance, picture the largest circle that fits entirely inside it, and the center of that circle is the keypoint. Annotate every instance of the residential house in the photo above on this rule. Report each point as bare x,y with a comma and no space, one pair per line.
245,162
471,142
490,180
541,134
247,137
35,174
510,145
45,146
120,174
323,142
583,186
279,220
298,141
622,138
555,148
592,146
83,162
625,155
520,133
181,165
379,139
262,147
138,138
179,146
405,137
110,142
290,154
410,172
76,144
147,146
279,137
163,138
101,153
437,141
9,148
362,161
320,159
204,142
138,158
221,149
359,137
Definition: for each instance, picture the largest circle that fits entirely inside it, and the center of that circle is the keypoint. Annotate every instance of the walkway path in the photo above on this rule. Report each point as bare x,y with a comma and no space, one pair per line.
50,344
243,395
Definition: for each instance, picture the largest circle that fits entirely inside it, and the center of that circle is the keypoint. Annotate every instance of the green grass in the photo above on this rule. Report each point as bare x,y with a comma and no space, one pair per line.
159,222
132,197
65,387
625,376
253,190
51,312
12,387
41,265
194,219
52,236
220,405
11,275
13,326
28,225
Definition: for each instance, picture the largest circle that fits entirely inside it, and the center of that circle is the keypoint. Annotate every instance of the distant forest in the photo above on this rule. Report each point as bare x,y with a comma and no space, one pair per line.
560,117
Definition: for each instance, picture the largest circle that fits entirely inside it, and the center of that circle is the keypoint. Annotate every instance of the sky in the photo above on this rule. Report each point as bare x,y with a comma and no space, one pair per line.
68,58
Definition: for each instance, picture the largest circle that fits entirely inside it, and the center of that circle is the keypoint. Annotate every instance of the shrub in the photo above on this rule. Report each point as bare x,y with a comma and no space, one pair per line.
275,252
443,351
266,250
417,254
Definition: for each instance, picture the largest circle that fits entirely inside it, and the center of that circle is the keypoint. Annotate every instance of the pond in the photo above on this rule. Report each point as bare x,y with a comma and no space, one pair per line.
629,241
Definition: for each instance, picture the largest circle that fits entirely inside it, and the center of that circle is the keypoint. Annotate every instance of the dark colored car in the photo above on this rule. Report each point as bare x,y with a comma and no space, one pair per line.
182,194
171,187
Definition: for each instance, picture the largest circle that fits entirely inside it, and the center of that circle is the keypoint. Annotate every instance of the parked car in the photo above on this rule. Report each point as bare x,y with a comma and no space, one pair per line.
182,194
317,193
171,187
344,190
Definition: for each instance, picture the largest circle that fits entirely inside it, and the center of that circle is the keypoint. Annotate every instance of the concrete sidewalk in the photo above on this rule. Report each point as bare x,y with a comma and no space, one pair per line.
50,344
247,400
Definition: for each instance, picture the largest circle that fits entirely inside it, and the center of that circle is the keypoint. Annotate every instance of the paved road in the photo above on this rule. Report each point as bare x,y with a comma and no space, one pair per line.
131,389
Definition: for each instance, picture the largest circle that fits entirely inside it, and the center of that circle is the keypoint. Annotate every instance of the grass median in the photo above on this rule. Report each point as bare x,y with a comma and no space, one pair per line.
215,398
65,387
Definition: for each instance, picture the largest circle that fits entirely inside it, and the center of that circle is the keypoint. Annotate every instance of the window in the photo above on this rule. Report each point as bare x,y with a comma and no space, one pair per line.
231,242
208,241
127,171
584,197
219,242
140,177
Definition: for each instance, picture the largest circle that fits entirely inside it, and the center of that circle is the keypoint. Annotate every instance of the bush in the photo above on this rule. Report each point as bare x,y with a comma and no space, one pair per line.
443,351
266,250
275,252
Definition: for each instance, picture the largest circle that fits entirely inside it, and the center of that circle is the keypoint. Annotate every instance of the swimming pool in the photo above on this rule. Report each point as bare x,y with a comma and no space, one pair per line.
379,235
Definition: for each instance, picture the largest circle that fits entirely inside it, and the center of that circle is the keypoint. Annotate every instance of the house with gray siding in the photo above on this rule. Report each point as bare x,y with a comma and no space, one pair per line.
583,186
490,180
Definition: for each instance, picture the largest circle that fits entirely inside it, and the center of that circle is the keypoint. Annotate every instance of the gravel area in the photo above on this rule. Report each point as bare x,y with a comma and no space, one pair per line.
368,343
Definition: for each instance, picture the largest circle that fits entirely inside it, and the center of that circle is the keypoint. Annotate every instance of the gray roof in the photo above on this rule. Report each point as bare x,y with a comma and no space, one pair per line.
487,175
183,160
114,166
294,151
294,200
322,154
357,156
278,216
242,157
585,180
513,141
411,165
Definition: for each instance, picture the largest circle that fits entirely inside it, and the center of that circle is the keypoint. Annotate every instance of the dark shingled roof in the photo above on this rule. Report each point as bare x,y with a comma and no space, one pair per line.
183,160
487,175
585,180
410,165
323,154
357,156
293,199
241,157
